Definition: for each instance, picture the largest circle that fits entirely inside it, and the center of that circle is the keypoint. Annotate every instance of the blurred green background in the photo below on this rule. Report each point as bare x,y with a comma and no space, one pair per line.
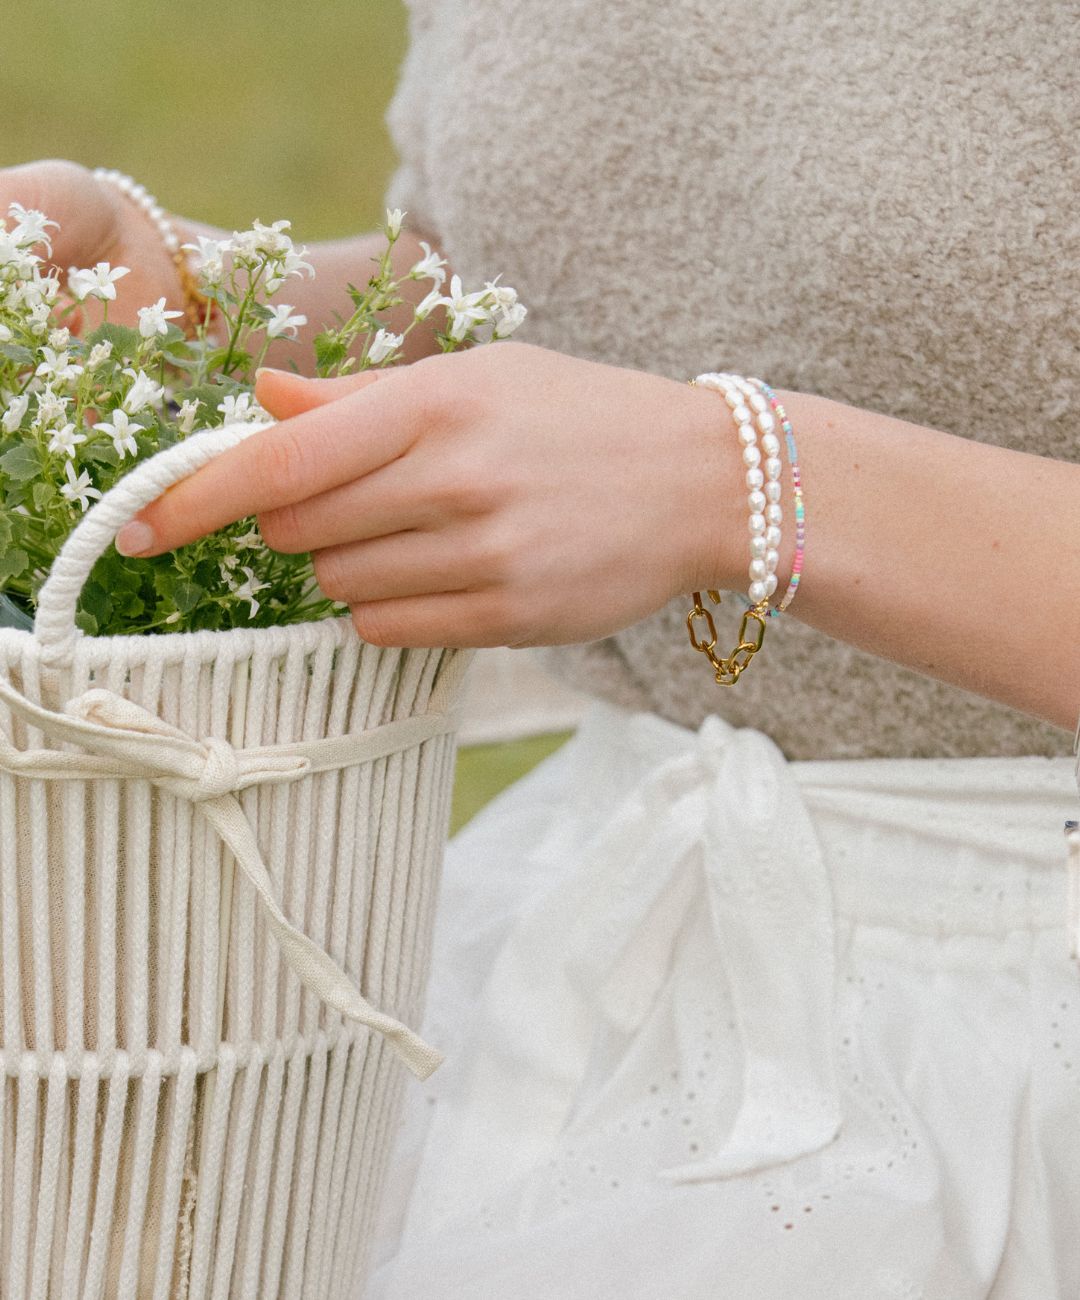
228,110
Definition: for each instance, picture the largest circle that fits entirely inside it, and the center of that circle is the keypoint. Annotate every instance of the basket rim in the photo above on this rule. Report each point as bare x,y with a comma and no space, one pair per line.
169,647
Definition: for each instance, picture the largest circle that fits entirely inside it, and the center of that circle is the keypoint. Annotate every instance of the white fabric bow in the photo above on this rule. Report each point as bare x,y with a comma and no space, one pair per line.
127,742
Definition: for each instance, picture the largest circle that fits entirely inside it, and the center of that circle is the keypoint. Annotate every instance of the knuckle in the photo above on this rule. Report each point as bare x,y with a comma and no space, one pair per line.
330,575
374,626
281,460
280,530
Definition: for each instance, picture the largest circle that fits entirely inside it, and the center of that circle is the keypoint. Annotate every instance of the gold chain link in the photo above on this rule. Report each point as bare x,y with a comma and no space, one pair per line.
729,669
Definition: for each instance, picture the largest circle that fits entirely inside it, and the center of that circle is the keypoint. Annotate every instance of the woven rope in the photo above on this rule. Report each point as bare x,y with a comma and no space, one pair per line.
180,1115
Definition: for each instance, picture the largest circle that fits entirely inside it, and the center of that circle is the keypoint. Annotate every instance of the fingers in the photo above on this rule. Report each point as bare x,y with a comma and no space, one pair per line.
461,619
392,499
315,451
285,395
413,563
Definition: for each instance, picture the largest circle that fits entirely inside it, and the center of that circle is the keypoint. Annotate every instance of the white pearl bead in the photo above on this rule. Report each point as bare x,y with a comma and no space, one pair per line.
758,547
772,535
747,436
757,401
756,501
172,243
773,513
773,490
770,584
757,592
758,569
741,414
157,211
751,456
757,523
733,398
772,467
755,478
772,559
765,421
770,444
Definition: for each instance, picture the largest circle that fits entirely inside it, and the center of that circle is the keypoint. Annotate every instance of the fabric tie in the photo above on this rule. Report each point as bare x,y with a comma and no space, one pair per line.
121,740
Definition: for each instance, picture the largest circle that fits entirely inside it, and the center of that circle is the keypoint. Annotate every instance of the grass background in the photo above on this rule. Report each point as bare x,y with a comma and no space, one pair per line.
228,110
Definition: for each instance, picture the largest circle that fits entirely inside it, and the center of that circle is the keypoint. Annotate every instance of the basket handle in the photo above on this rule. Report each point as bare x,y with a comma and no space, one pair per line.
54,620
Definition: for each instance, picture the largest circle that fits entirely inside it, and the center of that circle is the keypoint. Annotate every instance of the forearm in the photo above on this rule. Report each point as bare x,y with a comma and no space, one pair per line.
324,297
958,559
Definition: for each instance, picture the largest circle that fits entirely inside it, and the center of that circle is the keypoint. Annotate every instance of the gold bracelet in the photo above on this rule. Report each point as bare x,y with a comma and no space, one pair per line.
727,670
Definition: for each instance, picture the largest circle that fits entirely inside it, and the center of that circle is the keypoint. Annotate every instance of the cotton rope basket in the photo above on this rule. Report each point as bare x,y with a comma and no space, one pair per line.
210,843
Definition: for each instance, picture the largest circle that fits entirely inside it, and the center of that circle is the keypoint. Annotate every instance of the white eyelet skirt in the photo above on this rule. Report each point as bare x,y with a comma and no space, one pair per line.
718,1024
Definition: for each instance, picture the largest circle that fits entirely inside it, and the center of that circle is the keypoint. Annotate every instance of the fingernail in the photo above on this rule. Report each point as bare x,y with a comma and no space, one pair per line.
269,370
134,539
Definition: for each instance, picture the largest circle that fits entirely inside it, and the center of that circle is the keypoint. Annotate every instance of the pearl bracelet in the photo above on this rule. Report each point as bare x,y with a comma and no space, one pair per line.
748,407
800,507
198,309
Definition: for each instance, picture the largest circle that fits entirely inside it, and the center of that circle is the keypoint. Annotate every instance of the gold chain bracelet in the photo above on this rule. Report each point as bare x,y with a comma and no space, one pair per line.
727,670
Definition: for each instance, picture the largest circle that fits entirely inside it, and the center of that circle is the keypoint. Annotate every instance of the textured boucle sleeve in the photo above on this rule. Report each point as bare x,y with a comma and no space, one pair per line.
406,121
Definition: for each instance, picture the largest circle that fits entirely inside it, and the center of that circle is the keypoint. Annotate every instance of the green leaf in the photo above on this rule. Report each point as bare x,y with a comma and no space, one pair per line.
125,341
13,563
86,622
101,453
187,595
44,494
329,351
15,352
21,463
5,531
96,601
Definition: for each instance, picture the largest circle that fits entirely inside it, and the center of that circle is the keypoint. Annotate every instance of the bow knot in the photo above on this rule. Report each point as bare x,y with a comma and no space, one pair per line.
221,771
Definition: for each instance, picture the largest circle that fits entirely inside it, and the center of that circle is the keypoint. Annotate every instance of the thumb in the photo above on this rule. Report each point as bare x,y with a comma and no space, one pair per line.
284,394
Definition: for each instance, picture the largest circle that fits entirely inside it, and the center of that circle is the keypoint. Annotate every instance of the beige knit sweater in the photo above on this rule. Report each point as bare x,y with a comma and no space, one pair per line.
877,202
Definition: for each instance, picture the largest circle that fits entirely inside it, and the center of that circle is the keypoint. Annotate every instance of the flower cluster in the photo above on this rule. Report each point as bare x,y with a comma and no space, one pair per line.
77,413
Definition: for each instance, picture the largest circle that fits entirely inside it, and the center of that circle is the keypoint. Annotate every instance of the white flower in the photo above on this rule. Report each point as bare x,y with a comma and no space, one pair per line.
13,416
237,408
65,440
99,354
382,345
508,321
211,253
185,421
393,222
51,407
262,241
59,338
281,323
429,304
122,432
430,266
154,320
465,309
58,366
291,264
39,318
252,538
97,283
13,255
5,334
143,392
30,227
246,590
503,297
77,488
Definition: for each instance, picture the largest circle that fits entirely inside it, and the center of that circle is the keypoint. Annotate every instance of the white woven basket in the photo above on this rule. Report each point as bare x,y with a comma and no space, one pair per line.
195,1099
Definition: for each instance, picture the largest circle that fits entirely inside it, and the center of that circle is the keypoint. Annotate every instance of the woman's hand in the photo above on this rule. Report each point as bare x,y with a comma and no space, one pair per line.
97,224
507,495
